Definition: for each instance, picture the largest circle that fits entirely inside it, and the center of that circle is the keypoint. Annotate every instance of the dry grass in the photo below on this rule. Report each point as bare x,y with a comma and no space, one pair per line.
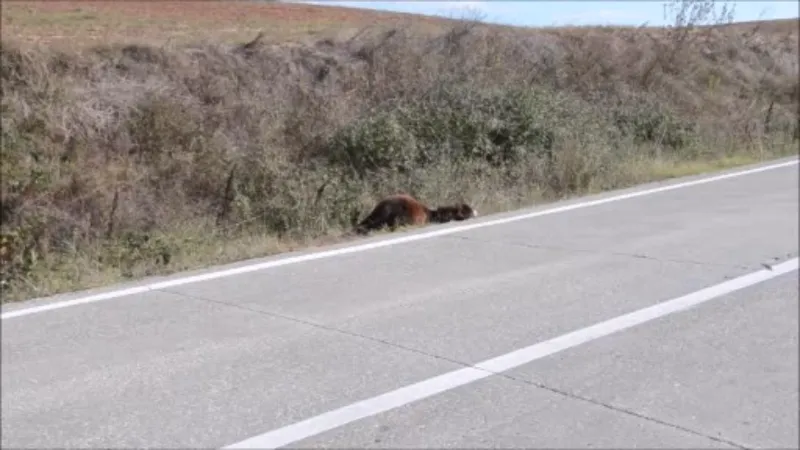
136,158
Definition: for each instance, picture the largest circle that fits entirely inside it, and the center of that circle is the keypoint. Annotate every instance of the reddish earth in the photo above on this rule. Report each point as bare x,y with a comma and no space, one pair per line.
73,24
76,23
218,11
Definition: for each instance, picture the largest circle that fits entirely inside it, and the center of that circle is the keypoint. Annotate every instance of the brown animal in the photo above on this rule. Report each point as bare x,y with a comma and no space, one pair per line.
403,210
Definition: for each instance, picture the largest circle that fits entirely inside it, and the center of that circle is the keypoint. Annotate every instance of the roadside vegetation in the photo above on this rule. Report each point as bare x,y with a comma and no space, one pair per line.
130,159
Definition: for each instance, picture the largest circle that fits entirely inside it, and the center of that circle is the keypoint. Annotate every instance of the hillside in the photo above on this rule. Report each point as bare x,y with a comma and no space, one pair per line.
140,138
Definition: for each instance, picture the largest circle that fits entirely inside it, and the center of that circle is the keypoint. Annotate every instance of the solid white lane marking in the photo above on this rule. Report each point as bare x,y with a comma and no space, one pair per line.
373,245
451,380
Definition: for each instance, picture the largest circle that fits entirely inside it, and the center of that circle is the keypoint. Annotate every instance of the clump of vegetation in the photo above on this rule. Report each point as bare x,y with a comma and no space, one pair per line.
130,160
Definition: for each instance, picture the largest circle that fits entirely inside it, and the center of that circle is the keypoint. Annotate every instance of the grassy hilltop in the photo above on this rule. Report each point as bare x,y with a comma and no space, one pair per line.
149,137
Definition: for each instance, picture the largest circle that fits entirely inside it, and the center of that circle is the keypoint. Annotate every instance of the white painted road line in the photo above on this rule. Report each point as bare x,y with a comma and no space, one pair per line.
373,245
451,380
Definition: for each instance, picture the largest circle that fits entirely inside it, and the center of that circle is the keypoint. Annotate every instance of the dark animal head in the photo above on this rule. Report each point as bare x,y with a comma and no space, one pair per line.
459,212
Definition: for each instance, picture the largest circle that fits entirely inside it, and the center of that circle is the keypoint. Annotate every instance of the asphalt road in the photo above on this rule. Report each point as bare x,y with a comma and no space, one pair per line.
218,361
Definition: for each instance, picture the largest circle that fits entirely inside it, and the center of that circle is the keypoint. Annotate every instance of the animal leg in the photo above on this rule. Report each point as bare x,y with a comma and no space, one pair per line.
391,222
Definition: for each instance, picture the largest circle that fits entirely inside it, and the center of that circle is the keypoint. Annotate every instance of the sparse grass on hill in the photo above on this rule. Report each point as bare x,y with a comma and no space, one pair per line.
130,159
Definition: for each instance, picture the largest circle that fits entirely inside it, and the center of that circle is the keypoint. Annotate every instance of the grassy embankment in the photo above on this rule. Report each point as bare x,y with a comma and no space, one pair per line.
137,158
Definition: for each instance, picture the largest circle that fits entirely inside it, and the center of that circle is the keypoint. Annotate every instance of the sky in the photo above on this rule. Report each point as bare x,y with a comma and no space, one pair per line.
555,13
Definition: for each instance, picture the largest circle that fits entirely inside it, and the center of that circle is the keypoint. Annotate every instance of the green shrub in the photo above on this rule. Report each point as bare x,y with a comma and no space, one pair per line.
500,127
375,142
134,248
650,122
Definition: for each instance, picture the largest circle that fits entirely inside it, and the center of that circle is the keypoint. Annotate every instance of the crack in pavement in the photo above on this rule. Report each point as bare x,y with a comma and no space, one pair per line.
553,390
622,410
319,326
597,252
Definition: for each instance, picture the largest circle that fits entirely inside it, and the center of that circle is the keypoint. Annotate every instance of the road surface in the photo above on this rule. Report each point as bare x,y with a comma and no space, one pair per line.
664,318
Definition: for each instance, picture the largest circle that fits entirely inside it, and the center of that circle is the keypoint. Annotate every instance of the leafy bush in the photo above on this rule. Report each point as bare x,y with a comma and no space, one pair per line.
375,142
500,127
649,122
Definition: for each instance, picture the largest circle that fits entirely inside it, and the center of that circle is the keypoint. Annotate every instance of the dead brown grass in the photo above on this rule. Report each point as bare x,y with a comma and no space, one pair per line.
128,159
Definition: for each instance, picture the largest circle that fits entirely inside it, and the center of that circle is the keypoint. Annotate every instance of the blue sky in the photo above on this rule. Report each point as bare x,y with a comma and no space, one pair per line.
550,13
